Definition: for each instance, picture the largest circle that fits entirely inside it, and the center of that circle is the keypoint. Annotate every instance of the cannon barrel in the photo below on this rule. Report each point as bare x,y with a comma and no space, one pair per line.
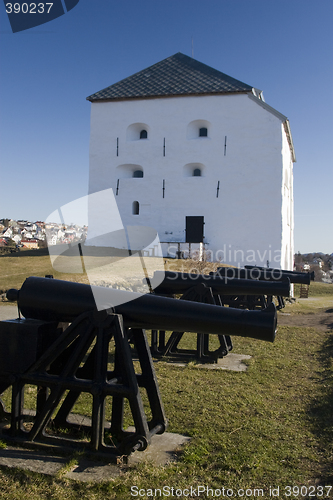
56,300
263,274
294,273
174,282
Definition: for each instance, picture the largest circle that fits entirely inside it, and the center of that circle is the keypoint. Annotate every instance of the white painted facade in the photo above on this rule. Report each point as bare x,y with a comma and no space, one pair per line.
248,153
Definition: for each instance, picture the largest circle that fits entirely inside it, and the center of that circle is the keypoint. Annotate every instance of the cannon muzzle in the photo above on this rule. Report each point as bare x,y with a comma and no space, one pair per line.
56,300
174,283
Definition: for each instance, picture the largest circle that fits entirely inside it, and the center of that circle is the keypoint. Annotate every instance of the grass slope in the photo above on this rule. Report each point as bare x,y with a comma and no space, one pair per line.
267,427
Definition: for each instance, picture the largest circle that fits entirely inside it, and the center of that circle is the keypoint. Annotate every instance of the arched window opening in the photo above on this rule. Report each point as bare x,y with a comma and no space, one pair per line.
135,208
137,131
197,129
194,170
138,173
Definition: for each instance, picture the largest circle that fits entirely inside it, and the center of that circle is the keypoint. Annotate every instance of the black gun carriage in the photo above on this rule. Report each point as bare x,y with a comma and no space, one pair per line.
263,274
67,346
240,293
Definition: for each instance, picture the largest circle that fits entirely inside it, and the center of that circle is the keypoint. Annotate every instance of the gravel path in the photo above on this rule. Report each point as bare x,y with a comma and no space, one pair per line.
321,320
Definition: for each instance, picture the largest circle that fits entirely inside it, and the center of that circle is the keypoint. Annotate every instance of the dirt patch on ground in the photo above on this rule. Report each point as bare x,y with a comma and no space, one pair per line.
321,320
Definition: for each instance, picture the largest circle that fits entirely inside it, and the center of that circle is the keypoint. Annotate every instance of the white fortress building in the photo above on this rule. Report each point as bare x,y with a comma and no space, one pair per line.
200,157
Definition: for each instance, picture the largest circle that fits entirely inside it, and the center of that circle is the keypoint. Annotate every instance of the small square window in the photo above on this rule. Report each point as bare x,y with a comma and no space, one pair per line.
138,173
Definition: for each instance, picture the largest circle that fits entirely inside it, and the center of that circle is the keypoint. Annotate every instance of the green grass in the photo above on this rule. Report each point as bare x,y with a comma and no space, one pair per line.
316,289
15,269
267,427
320,296
307,306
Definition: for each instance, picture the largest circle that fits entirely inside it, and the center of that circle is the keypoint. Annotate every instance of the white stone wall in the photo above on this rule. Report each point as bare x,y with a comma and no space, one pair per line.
287,240
246,152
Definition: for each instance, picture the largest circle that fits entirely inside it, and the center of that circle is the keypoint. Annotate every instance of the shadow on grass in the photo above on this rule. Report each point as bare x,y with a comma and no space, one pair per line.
38,252
321,410
71,251
330,325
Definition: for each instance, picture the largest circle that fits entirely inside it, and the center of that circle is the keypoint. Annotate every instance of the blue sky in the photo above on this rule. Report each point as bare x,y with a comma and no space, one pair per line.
283,47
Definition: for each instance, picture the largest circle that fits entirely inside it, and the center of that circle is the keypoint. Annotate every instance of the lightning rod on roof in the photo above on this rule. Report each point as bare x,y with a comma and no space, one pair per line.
192,47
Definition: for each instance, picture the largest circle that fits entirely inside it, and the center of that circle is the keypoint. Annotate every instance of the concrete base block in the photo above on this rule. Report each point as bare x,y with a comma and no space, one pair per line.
162,450
32,460
232,361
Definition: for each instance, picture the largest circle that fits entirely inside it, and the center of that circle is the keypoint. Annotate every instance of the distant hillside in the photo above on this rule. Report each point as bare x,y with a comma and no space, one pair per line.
319,262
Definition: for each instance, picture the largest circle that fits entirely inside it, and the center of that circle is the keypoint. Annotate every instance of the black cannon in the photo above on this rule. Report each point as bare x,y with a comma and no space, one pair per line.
92,355
264,274
210,289
175,283
295,273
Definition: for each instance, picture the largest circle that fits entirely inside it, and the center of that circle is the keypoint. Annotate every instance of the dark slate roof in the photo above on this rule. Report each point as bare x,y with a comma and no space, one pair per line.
175,76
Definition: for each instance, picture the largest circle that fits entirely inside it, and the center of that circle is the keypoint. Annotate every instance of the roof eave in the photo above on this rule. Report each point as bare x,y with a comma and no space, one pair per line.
135,98
281,117
286,125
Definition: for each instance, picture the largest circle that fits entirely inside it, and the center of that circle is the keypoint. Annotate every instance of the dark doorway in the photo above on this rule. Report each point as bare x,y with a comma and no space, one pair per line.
194,229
